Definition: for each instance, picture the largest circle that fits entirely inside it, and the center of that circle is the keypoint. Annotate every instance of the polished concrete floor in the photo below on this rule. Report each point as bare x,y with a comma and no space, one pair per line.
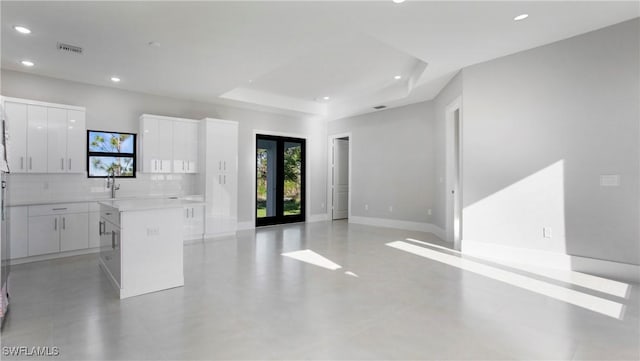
243,300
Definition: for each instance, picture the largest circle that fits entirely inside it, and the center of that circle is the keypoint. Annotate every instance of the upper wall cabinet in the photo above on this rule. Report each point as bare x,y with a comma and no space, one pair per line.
168,145
45,137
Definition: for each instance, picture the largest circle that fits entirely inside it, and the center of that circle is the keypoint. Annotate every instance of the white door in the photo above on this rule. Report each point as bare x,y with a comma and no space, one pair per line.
454,174
76,141
36,139
340,178
56,140
17,128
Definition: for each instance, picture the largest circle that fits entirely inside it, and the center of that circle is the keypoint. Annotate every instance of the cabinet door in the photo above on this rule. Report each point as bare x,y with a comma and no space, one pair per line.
56,140
165,144
36,139
17,129
191,146
18,228
74,230
76,141
94,229
44,235
180,159
194,222
149,145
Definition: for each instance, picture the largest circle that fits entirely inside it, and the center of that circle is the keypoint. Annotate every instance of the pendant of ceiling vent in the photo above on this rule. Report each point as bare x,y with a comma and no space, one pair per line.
380,107
69,48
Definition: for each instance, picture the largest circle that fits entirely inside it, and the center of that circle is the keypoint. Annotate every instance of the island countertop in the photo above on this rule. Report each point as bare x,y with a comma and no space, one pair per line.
124,205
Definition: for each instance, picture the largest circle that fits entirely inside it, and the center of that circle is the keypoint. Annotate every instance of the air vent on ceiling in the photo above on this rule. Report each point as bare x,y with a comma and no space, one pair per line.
380,107
69,48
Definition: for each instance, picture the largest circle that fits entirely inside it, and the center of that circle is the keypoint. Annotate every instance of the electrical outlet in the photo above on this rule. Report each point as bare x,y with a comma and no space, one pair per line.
429,211
366,207
390,208
153,231
546,232
322,206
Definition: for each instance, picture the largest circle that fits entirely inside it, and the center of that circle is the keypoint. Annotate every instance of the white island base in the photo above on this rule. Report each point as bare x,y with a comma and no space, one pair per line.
141,247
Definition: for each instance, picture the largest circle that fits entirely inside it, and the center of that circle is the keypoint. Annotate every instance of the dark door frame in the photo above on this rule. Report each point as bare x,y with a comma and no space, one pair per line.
280,217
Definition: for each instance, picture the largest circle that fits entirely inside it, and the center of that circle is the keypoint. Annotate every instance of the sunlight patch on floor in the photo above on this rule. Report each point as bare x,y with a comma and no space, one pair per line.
313,258
577,298
604,285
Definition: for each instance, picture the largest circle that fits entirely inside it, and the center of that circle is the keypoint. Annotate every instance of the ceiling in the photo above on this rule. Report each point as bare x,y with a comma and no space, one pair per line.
287,56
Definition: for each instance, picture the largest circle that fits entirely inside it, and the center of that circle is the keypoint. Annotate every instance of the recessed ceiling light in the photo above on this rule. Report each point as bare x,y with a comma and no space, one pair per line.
398,1
521,17
154,44
115,79
22,29
325,98
27,63
397,77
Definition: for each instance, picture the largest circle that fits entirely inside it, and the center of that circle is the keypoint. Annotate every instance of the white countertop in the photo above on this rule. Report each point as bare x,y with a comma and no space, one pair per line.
91,200
124,205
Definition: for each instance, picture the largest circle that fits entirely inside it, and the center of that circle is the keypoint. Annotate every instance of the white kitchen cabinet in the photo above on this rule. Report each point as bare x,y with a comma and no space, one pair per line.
156,144
18,232
168,145
44,235
74,231
56,140
185,146
57,228
110,251
45,137
16,114
36,139
221,174
193,222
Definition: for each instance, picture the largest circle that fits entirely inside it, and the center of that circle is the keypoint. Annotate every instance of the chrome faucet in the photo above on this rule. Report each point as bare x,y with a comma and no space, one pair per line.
111,183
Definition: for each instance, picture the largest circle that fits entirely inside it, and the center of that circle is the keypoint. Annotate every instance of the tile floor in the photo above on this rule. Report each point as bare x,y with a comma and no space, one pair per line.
243,300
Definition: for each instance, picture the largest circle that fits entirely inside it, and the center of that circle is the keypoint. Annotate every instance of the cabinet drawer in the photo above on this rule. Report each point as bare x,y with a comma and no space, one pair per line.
110,214
61,208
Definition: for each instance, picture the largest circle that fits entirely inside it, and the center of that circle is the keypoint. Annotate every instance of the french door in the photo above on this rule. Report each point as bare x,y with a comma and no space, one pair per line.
280,180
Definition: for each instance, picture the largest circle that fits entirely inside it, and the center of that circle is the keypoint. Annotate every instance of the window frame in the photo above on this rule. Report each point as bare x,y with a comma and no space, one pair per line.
110,154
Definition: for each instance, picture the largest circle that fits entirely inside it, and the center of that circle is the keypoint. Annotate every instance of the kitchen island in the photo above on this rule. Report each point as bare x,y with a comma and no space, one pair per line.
141,246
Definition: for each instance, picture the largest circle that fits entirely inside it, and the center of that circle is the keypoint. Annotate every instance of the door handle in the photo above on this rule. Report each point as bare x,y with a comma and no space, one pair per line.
225,165
219,165
64,223
225,179
21,162
191,212
69,163
219,179
61,163
113,239
187,212
30,163
100,225
55,224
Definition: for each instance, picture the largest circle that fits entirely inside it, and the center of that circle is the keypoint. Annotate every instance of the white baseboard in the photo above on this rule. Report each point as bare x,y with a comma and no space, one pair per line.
318,218
394,223
46,257
599,267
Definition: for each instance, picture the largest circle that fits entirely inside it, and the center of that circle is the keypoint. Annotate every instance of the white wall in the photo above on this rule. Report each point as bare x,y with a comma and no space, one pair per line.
539,129
118,110
392,162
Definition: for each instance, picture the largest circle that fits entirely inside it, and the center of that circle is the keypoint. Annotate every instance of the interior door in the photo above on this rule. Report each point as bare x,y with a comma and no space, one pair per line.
280,180
340,178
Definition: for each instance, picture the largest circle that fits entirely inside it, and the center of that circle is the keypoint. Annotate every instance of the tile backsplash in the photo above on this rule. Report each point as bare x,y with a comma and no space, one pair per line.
34,188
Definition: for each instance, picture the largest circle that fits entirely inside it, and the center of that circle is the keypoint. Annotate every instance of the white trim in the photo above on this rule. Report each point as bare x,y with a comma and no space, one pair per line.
610,269
456,104
318,217
40,103
164,117
394,223
51,256
329,202
307,191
